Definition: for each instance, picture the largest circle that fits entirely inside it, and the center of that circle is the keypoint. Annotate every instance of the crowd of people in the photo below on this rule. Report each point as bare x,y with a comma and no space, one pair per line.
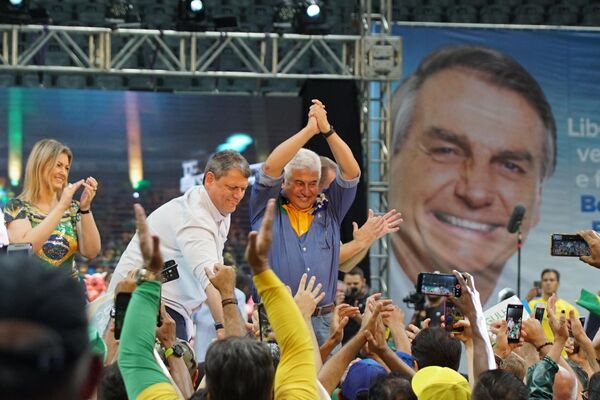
185,325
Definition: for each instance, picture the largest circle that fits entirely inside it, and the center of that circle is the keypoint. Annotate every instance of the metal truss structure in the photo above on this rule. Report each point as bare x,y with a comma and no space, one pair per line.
382,58
373,58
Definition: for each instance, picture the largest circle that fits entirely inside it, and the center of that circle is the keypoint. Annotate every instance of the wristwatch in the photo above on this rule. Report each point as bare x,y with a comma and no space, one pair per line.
143,275
176,350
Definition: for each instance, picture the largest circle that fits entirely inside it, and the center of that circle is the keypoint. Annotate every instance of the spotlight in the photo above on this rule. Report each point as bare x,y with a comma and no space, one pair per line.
14,12
311,19
191,15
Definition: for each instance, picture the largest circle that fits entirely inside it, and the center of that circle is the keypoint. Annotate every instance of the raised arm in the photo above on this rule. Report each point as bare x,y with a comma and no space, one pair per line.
347,164
20,229
223,280
283,153
89,237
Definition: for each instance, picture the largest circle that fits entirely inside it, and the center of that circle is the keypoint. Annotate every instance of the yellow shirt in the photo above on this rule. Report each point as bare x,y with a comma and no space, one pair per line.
299,219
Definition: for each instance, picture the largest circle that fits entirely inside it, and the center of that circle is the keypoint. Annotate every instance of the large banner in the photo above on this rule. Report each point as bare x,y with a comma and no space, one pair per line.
487,119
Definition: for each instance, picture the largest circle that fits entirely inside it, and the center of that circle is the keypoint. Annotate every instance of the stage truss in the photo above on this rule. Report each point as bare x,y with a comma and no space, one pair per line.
374,59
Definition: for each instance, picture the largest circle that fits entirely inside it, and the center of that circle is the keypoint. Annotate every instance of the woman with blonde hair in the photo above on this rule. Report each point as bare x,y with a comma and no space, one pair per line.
45,213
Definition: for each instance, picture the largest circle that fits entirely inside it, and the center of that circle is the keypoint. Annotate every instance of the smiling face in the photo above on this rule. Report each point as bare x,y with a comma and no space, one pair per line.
472,153
58,174
227,191
302,188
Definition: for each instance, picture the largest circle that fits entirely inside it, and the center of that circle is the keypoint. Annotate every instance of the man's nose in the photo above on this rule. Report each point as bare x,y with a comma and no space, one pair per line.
476,185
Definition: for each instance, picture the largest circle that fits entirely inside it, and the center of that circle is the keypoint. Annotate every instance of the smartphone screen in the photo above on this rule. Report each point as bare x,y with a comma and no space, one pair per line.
451,316
568,246
437,284
539,311
266,332
169,272
121,303
514,317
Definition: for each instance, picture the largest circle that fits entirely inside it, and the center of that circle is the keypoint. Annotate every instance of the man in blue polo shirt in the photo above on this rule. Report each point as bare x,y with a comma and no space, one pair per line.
306,230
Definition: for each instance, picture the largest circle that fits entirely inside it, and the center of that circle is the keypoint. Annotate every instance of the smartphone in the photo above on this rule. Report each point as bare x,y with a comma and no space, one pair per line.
263,325
169,272
582,320
438,284
540,308
568,246
121,303
514,318
537,284
19,249
452,315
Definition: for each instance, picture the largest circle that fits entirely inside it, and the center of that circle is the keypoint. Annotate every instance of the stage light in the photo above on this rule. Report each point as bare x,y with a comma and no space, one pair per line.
311,19
196,6
14,12
191,15
313,10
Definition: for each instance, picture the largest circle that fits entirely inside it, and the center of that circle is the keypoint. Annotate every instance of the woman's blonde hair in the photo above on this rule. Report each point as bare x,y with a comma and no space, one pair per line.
40,162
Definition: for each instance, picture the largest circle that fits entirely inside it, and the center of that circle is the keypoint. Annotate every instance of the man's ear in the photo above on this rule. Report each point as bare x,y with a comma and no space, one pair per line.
209,178
416,364
92,378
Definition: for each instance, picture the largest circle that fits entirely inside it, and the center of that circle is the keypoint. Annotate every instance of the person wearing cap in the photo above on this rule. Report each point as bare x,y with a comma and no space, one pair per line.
431,383
44,340
306,231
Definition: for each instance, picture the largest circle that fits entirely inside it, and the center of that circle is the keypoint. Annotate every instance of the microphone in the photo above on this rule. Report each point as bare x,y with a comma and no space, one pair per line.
516,218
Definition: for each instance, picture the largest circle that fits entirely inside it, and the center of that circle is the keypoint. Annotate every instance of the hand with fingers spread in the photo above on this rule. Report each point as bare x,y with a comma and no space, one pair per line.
257,250
341,315
308,295
592,238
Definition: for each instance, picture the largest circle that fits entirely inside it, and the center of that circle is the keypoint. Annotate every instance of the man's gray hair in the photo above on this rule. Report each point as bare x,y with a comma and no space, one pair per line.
491,66
304,159
223,161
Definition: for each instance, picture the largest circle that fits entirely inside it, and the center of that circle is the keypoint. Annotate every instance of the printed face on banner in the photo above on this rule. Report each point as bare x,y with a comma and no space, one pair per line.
473,151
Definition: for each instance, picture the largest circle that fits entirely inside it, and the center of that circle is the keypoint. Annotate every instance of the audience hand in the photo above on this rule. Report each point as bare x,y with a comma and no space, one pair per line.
377,226
593,240
166,333
413,330
308,296
394,318
469,302
223,279
149,245
257,250
532,332
341,315
503,348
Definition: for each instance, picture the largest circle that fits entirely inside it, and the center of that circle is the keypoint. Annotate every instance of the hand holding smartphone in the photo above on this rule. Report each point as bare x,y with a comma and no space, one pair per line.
451,316
564,245
438,284
514,319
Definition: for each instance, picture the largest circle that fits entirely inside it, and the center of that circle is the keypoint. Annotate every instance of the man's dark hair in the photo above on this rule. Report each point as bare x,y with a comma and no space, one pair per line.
550,270
111,385
435,347
43,331
493,67
594,387
356,271
239,368
223,161
392,386
497,384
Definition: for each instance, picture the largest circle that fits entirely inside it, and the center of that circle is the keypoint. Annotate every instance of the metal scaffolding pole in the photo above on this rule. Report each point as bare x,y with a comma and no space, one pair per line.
382,64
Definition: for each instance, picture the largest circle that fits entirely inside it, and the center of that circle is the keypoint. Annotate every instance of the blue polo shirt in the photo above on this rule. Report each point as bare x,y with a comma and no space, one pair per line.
316,252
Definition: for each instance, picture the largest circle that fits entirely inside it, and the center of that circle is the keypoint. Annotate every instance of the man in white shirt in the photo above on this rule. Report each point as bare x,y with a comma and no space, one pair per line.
193,229
3,233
